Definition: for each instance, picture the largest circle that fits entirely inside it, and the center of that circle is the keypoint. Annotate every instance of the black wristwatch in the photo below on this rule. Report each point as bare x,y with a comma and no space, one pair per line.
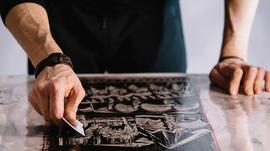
51,60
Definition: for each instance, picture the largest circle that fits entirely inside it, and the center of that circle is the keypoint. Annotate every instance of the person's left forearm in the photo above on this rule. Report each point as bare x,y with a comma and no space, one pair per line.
239,16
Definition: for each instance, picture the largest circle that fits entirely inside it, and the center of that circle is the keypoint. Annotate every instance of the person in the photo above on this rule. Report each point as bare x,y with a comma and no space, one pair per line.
119,36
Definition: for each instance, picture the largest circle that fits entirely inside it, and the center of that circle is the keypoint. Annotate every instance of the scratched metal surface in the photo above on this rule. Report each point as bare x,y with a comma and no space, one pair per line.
240,123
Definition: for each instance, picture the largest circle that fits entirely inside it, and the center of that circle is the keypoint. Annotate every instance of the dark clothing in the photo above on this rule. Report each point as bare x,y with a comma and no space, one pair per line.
114,35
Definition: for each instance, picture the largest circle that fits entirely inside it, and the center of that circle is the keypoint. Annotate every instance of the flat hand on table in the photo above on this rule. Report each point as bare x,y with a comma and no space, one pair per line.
235,75
52,87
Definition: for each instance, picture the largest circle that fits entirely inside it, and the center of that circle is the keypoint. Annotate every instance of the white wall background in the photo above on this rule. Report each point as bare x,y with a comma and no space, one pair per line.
203,25
12,58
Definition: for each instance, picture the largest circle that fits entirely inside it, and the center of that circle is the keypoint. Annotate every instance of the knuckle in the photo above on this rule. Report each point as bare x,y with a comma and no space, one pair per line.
253,69
39,87
53,84
238,71
79,90
53,81
82,93
261,69
261,73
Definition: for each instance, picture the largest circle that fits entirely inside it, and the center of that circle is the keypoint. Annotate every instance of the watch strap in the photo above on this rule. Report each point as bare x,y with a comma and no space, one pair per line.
230,57
52,60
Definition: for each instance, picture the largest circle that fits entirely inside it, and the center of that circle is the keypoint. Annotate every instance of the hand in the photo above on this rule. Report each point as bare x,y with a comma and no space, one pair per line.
57,93
233,74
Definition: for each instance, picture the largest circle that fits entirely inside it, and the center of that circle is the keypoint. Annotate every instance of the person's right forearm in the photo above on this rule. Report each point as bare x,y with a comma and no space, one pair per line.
57,91
28,22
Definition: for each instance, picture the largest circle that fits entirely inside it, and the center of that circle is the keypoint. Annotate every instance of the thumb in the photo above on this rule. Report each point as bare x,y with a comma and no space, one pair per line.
75,97
226,69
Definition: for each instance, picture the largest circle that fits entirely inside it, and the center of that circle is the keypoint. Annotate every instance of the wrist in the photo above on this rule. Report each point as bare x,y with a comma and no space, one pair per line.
42,49
235,45
52,60
234,59
232,52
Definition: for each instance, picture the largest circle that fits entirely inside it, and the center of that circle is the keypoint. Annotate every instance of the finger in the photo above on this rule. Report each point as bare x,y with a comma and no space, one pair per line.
57,95
250,74
236,77
258,85
45,108
42,99
74,99
235,73
217,78
267,81
33,103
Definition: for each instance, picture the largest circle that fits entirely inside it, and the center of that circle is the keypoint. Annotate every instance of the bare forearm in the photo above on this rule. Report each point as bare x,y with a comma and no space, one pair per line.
28,22
239,16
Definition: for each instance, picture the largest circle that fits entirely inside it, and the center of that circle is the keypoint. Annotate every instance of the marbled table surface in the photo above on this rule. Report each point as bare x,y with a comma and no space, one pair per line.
240,123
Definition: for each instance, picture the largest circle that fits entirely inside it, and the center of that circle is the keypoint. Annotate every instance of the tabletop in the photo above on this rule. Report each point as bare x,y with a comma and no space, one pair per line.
140,112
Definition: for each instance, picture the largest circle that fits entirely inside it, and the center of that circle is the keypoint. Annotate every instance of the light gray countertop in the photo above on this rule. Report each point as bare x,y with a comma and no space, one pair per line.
240,123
